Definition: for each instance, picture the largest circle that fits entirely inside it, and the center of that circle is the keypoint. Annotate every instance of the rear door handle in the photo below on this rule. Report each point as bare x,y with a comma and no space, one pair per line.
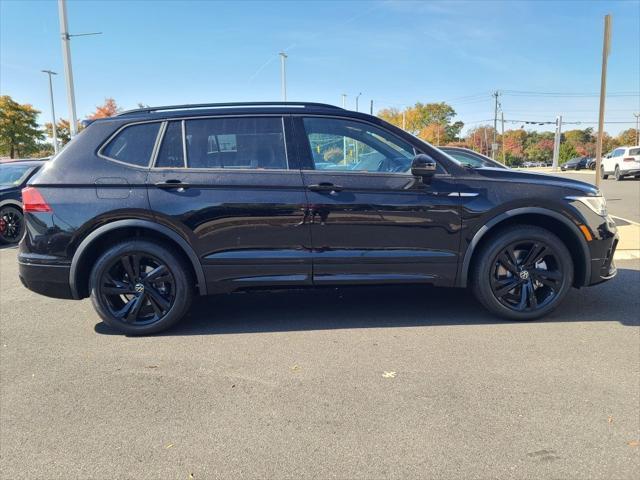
171,184
325,187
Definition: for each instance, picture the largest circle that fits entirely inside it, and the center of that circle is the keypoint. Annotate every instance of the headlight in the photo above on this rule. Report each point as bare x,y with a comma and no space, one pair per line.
597,204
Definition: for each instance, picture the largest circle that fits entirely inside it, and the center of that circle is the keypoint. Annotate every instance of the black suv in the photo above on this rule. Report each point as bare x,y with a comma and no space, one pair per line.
145,209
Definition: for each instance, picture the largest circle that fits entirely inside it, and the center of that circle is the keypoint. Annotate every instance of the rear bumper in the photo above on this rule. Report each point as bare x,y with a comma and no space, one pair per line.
631,171
49,279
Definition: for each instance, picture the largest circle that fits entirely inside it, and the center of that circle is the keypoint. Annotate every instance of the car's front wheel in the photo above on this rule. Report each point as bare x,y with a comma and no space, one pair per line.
11,225
140,287
522,272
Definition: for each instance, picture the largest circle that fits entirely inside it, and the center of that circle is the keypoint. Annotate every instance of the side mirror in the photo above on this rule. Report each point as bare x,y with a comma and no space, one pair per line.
423,166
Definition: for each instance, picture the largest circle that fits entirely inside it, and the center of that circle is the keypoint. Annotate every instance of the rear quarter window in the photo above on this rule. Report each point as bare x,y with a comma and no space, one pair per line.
133,144
634,151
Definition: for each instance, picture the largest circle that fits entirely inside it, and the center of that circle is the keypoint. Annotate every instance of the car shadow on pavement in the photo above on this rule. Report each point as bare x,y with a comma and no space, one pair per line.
390,306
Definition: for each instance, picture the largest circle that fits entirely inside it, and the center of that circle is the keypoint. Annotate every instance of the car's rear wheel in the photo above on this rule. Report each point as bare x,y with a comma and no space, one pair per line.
603,175
522,272
140,287
11,224
618,176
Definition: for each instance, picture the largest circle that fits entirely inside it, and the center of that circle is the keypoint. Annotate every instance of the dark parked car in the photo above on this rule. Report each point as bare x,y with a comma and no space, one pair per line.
145,209
577,163
591,164
469,158
13,177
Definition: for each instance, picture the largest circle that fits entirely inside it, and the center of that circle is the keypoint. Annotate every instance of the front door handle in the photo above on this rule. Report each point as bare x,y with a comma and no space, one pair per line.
171,184
325,187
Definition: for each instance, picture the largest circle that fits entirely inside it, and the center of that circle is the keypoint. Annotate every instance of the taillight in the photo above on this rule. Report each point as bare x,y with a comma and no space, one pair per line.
32,201
629,159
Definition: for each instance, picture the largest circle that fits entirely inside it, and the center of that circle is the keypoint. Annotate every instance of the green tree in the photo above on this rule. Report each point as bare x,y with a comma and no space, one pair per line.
567,152
19,132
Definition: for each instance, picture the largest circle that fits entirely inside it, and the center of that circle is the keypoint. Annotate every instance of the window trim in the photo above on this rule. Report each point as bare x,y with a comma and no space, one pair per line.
156,144
183,120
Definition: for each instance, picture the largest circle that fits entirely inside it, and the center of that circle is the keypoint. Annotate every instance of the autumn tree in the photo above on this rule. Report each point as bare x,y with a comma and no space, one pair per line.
480,139
422,115
62,130
627,137
108,109
435,133
19,132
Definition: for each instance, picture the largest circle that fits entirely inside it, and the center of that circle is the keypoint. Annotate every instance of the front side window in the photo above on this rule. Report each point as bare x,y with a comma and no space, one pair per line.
236,143
134,144
344,145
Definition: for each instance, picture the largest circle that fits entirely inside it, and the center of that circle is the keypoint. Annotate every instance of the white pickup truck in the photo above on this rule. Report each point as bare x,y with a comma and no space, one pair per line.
621,162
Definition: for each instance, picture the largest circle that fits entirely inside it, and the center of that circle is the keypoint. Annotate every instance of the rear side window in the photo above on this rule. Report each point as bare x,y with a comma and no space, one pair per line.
134,144
171,152
236,143
634,151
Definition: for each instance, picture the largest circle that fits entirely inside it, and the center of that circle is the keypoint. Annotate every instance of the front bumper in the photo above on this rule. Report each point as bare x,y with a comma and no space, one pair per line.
603,248
44,276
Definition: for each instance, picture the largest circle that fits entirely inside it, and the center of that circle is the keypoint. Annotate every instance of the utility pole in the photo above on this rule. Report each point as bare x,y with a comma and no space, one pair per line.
637,115
68,71
54,131
606,48
556,143
357,100
504,156
371,108
344,139
344,100
486,139
496,94
283,75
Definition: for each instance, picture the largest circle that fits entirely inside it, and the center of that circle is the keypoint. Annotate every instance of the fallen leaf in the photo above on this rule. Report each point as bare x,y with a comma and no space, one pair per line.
610,419
151,366
169,446
295,368
633,443
191,475
389,375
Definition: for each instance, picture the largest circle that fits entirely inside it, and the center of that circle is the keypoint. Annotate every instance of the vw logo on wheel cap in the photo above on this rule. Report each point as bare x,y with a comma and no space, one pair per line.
139,288
524,275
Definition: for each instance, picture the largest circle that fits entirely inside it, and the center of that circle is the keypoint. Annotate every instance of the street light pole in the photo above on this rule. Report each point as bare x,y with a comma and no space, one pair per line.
637,115
357,100
53,112
283,75
68,71
606,48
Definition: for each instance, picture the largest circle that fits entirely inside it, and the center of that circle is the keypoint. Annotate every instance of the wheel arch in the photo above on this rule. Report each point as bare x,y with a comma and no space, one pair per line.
542,217
91,246
11,203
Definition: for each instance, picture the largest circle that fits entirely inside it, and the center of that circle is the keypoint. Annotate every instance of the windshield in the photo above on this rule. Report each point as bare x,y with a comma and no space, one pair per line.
13,174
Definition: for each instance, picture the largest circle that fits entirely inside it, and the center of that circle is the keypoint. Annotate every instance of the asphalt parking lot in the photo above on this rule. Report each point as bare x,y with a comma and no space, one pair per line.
402,382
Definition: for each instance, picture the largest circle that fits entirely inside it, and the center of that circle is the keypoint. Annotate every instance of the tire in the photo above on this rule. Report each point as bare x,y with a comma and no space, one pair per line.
140,287
617,174
11,224
603,175
533,294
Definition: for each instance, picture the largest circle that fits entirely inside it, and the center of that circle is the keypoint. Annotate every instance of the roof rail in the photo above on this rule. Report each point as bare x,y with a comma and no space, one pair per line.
226,105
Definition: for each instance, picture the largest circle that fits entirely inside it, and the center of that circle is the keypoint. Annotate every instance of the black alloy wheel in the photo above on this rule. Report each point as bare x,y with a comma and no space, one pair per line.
526,275
137,288
140,287
522,272
11,225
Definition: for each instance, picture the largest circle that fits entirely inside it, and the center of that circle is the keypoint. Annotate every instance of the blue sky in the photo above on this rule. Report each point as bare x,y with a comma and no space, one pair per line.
394,52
